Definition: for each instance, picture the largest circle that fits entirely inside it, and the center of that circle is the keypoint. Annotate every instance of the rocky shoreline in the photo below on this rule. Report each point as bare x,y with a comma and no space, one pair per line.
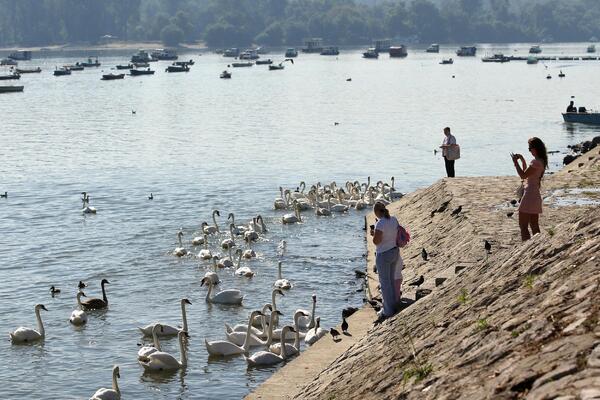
518,322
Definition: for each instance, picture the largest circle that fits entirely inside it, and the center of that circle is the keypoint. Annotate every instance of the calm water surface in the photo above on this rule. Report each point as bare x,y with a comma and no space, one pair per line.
199,143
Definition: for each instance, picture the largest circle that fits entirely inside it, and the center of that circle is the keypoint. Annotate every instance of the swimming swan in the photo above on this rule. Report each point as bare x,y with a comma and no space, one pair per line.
281,202
94,303
163,361
179,251
168,330
229,296
225,348
110,394
242,271
281,283
241,328
268,358
229,242
226,262
292,218
249,253
145,351
290,349
309,321
316,333
205,253
28,335
210,230
212,275
78,317
255,335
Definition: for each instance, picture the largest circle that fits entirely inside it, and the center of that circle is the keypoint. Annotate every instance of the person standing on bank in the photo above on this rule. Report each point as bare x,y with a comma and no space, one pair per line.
384,234
450,152
531,202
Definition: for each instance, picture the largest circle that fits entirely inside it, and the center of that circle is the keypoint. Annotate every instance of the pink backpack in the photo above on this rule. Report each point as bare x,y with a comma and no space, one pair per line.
402,237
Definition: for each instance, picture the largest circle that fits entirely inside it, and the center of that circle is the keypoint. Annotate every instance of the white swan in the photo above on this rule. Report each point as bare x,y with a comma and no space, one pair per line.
309,321
180,251
211,230
78,317
241,328
282,248
212,275
145,351
110,394
281,202
205,253
226,262
249,252
168,330
324,212
281,283
229,242
242,271
162,361
251,235
315,334
225,348
86,205
255,335
260,225
340,207
268,358
238,230
299,193
199,240
28,335
229,296
292,218
295,348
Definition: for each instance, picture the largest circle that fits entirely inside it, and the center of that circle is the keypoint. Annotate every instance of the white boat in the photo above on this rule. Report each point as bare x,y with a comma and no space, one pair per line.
433,48
8,61
536,49
291,53
371,53
141,56
232,52
164,54
249,54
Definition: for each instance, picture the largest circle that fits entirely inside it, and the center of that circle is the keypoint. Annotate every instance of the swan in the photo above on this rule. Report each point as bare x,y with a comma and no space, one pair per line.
282,248
211,230
229,242
251,235
281,283
86,205
110,394
292,218
290,349
241,328
249,253
258,225
281,202
226,262
179,251
28,335
268,358
324,212
212,275
198,240
256,337
145,351
78,317
316,333
229,296
162,361
225,348
237,230
340,207
168,330
94,303
299,193
205,253
242,271
305,322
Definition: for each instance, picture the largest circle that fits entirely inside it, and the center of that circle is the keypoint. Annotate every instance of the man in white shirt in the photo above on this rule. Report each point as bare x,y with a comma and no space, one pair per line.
449,141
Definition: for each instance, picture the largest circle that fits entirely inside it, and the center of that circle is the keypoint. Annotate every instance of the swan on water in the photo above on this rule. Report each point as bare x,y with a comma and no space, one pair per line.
315,333
180,251
110,394
198,240
308,322
228,296
211,230
163,361
205,253
324,212
241,328
299,193
282,248
78,317
229,242
168,330
281,283
268,358
340,207
242,271
86,204
292,218
251,235
145,351
94,303
28,335
281,202
255,335
258,225
212,275
226,262
249,252
290,349
225,348
238,230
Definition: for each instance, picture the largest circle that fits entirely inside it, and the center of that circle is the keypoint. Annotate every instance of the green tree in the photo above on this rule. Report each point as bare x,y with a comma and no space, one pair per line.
171,35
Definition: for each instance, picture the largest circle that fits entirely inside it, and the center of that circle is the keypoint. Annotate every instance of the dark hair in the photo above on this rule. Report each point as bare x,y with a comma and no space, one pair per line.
540,149
379,206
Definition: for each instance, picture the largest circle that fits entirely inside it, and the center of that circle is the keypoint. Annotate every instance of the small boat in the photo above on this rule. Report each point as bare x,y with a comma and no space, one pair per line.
75,67
12,75
561,74
184,63
371,53
225,75
276,67
242,64
398,51
496,58
164,54
8,61
268,61
89,63
141,65
29,70
232,52
291,53
250,54
112,77
536,49
582,117
127,66
62,71
591,48
20,55
137,72
330,51
141,57
11,89
433,48
466,51
447,61
531,60
548,76
177,68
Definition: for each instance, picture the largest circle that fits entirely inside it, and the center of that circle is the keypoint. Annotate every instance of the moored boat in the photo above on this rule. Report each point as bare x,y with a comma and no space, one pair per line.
91,62
249,54
177,68
225,75
370,53
433,48
264,62
8,61
497,58
466,51
591,48
535,49
11,89
330,51
141,56
20,55
276,67
164,54
74,67
447,61
531,60
182,63
127,66
62,71
242,64
28,70
313,45
291,53
10,76
582,117
398,51
141,65
137,72
112,77
231,52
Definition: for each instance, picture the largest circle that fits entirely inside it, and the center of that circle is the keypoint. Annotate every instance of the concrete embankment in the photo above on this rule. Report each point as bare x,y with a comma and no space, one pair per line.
519,322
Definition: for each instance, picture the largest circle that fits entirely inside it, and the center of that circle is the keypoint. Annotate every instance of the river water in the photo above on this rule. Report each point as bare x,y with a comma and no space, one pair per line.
201,143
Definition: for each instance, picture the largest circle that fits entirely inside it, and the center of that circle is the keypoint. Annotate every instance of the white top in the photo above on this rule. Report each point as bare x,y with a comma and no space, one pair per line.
389,230
447,140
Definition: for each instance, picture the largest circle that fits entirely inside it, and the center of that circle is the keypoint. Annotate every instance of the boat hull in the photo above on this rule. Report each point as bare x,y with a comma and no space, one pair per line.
582,118
11,89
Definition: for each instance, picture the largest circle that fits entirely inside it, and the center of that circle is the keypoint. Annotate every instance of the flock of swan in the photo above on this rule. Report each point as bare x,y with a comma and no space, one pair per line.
262,330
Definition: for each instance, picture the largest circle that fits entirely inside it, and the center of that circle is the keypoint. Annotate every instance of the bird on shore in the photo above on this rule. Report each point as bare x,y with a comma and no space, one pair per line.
4,196
348,311
81,285
359,274
513,202
335,334
443,206
151,197
456,211
54,290
488,246
344,325
510,214
349,80
418,282
424,254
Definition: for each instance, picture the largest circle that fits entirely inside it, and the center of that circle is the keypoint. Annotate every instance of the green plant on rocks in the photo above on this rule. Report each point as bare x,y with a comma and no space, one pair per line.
419,373
529,281
463,297
551,231
482,324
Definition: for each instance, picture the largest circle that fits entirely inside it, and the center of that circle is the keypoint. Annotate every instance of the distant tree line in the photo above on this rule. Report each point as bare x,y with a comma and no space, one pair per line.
223,23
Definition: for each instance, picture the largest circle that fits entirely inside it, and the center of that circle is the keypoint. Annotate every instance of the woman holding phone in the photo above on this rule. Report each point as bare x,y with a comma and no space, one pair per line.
531,202
384,234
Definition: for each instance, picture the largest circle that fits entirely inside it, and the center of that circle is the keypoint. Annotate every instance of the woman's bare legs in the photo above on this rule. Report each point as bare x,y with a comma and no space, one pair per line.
534,222
524,220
